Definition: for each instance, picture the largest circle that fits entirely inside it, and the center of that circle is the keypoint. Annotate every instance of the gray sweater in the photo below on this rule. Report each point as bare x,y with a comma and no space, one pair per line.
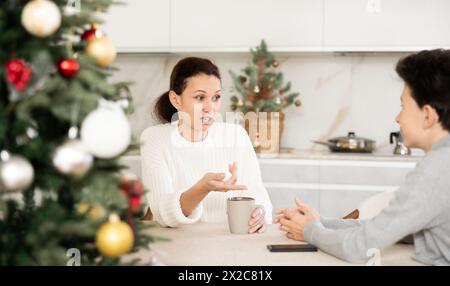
421,207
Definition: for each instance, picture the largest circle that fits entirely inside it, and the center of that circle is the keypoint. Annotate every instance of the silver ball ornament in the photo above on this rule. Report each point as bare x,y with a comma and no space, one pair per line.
16,173
72,158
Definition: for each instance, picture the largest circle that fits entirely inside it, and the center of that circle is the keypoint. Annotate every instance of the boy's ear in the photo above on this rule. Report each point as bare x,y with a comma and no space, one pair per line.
431,117
174,99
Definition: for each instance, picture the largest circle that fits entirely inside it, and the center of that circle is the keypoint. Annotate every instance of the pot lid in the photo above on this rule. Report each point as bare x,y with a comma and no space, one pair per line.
351,137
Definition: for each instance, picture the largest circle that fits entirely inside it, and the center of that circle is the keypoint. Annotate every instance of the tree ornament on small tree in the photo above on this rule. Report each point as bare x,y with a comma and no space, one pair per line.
114,238
106,132
278,100
102,51
16,173
18,73
68,68
41,18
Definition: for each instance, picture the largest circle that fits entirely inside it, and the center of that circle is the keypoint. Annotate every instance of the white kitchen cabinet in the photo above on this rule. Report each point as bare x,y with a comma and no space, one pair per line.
237,25
386,25
334,187
139,26
283,197
286,25
338,203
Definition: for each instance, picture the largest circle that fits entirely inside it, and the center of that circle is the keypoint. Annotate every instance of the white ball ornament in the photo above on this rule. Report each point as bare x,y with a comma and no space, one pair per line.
41,18
106,132
16,173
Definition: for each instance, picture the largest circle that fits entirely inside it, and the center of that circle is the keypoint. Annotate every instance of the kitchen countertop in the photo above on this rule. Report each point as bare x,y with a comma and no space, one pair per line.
327,155
212,244
288,153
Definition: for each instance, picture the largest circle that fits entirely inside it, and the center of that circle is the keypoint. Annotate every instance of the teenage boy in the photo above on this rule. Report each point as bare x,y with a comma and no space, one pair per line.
421,206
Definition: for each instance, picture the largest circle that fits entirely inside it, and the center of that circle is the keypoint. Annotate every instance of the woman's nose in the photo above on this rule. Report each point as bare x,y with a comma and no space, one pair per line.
397,118
207,105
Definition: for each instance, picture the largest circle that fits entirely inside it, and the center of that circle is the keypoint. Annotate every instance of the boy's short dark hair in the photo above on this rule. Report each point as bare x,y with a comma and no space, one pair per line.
427,74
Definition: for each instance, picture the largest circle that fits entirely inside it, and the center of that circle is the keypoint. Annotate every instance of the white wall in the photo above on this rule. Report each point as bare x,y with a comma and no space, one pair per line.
340,93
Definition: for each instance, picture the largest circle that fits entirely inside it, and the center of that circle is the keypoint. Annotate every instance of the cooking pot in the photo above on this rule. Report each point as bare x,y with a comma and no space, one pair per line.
349,143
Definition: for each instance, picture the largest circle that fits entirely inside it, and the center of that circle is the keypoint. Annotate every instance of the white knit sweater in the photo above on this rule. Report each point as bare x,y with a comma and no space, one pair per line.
171,165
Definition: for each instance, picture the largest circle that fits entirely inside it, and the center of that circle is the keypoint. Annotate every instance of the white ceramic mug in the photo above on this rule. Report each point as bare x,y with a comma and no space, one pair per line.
239,212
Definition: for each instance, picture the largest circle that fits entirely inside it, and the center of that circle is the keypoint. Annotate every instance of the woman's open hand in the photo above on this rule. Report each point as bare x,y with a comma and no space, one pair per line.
216,181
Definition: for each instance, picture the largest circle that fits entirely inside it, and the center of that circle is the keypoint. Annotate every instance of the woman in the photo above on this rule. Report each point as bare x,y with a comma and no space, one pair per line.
184,161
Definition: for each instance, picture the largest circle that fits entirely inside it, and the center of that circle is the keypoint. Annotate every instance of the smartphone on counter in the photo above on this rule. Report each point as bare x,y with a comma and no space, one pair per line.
291,247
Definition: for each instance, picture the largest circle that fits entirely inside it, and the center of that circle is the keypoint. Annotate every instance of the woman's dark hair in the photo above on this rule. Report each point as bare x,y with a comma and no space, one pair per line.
183,70
427,74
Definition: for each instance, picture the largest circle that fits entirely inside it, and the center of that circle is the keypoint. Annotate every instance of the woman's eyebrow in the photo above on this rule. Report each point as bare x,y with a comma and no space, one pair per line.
201,90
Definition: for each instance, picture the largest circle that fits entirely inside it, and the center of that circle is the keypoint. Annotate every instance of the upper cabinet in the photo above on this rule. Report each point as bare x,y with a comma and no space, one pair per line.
389,25
139,26
237,25
286,25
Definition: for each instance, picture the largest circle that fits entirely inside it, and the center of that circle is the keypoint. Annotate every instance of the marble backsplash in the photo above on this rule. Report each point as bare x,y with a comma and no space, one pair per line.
339,92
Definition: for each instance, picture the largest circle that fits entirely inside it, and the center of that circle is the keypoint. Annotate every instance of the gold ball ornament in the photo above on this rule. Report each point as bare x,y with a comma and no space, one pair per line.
275,63
93,211
298,103
41,18
102,51
114,238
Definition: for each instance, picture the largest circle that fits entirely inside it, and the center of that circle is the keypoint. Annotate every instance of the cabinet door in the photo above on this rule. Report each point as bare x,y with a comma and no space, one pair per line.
387,176
283,197
139,25
237,25
386,24
284,173
338,203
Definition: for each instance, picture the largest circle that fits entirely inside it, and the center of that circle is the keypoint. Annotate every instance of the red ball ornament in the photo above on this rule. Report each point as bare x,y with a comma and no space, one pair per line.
18,73
68,67
92,33
135,204
133,190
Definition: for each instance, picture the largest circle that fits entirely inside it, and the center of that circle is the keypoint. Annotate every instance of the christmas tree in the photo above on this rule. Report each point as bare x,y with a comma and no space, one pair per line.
260,88
62,130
